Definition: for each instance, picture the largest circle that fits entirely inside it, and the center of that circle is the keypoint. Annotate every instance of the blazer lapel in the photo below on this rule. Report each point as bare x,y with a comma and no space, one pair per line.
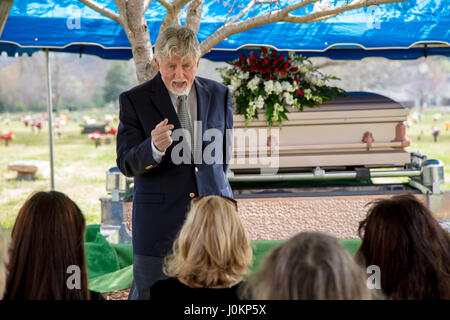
203,98
163,103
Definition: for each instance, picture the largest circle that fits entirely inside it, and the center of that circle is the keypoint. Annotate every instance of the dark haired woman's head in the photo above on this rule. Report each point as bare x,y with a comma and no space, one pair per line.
309,266
47,238
401,236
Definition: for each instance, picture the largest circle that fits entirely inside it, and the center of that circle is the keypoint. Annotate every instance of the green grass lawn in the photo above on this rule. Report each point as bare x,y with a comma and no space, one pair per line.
80,167
422,140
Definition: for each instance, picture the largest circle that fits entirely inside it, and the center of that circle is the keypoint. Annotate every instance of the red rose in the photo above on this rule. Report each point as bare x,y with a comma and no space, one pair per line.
244,69
286,65
275,70
296,80
266,61
283,71
294,69
271,78
274,53
280,58
264,50
300,92
243,58
267,70
274,62
237,64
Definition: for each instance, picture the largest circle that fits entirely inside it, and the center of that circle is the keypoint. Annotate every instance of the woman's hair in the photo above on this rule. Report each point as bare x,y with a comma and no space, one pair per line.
412,250
47,238
309,266
177,41
3,262
212,248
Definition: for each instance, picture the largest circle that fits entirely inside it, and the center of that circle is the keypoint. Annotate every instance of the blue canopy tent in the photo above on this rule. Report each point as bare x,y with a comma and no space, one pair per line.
406,30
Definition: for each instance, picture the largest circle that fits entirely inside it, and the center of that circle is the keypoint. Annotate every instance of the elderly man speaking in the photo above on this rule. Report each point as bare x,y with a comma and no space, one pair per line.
166,127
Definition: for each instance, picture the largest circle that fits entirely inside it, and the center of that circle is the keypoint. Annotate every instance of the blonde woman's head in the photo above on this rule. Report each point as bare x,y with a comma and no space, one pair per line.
212,248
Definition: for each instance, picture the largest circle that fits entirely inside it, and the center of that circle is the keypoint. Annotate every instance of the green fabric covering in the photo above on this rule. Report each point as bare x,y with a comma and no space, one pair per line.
124,254
110,266
101,257
118,280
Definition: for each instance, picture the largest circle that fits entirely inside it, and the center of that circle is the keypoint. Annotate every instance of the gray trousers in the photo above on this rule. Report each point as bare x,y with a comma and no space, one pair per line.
146,271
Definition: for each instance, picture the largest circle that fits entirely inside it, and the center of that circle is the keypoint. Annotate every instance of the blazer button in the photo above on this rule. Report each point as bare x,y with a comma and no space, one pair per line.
196,169
191,194
148,167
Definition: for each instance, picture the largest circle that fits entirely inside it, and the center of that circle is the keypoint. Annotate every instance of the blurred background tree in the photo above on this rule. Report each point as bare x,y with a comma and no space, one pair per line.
118,78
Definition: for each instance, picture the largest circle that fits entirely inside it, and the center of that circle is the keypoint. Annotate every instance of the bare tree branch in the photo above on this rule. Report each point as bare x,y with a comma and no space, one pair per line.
230,11
106,12
249,6
173,9
178,4
166,4
285,16
322,15
243,11
171,15
194,15
147,4
237,27
266,1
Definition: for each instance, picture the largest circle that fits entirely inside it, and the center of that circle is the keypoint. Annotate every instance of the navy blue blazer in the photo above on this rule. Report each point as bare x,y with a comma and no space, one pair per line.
162,192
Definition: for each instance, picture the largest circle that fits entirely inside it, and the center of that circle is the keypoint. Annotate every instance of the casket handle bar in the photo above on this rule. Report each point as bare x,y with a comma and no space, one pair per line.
313,147
366,174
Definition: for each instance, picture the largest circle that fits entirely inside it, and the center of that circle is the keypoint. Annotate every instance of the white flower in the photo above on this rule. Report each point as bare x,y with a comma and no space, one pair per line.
259,103
303,69
235,84
287,86
308,94
277,88
288,98
251,109
244,75
268,86
253,84
277,108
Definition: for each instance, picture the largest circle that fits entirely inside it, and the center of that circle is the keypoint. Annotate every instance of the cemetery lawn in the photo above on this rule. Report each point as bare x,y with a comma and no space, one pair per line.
80,167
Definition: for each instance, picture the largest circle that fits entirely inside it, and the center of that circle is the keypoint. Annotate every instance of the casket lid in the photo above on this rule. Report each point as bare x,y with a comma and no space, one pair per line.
357,100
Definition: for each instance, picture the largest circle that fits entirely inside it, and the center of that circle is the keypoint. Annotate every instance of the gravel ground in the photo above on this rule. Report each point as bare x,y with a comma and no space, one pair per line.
117,295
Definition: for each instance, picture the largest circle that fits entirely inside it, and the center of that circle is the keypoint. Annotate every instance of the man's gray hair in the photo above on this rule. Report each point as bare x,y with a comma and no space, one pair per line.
177,41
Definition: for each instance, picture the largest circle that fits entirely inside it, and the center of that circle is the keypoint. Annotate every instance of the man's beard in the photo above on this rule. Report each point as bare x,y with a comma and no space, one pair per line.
179,92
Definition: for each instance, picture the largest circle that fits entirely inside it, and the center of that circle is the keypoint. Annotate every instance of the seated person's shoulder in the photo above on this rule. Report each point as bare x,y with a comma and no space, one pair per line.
94,295
165,288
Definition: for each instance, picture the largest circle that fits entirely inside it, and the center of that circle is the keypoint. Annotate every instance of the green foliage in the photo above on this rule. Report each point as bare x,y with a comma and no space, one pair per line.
119,78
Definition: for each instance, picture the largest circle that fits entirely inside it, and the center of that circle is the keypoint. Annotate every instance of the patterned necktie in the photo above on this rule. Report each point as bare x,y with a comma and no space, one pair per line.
184,117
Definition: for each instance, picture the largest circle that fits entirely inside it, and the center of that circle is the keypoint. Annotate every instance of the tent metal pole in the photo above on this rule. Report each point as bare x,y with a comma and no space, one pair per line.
50,118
